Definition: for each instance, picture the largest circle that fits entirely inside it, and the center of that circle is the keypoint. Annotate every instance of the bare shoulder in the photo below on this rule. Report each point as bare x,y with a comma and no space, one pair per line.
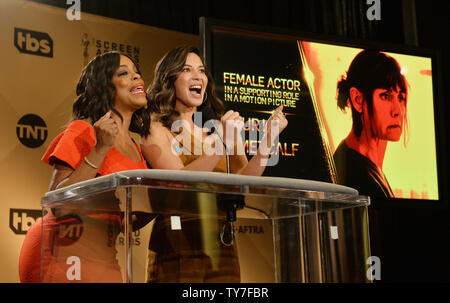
157,146
158,132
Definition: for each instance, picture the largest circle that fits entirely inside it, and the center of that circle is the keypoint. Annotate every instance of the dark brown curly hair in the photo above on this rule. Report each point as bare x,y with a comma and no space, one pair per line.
161,92
96,93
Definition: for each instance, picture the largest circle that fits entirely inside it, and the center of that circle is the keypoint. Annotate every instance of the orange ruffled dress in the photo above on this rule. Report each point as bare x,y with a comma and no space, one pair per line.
71,146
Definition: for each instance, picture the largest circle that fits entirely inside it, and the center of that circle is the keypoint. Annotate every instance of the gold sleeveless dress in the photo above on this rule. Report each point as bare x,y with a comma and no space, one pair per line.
194,253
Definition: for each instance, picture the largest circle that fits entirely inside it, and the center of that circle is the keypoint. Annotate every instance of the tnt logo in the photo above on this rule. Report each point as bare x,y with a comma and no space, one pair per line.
31,131
69,229
20,220
33,43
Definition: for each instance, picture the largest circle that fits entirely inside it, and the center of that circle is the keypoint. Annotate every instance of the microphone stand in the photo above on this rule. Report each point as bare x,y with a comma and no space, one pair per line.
230,203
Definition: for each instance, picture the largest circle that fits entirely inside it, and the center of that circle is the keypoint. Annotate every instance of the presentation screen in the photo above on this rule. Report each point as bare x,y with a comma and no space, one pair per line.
357,116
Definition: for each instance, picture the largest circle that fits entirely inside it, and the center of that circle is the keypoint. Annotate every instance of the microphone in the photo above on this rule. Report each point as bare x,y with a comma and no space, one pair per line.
227,202
207,113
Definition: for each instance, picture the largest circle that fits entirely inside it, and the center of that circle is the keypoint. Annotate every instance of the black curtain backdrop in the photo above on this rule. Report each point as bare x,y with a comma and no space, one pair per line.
337,17
412,242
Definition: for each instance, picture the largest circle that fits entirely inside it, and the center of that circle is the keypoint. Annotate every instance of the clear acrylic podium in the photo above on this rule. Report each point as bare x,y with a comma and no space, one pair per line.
281,230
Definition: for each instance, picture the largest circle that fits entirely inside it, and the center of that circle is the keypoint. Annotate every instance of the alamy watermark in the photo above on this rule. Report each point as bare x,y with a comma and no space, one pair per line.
214,143
74,11
374,11
374,270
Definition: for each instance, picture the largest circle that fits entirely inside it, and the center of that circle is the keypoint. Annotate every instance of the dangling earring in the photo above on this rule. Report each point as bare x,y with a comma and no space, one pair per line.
205,97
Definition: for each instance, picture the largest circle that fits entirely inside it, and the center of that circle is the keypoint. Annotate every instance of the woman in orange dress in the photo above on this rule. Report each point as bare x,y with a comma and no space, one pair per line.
111,102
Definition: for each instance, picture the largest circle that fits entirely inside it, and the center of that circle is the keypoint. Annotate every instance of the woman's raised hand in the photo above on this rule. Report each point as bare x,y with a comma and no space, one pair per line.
276,124
106,129
231,121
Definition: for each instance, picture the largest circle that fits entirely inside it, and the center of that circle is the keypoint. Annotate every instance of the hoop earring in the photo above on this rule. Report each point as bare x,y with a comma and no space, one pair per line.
205,97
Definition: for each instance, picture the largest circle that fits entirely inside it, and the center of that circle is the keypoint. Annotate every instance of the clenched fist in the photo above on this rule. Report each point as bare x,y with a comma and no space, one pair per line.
232,122
275,125
106,129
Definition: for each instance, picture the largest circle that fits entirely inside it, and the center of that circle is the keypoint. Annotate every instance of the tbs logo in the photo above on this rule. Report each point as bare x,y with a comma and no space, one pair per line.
33,43
20,220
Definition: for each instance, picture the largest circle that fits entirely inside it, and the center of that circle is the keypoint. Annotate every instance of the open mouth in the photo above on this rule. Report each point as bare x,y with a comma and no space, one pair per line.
196,90
138,89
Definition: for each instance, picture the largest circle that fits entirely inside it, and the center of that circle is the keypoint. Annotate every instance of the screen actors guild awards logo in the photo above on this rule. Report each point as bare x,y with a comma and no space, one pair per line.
104,46
85,47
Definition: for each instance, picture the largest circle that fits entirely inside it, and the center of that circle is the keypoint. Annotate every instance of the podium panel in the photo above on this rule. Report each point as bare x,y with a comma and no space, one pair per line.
183,226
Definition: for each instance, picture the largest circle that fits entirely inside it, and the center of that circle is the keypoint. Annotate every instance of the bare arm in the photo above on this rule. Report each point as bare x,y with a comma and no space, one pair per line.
257,164
157,150
64,175
105,131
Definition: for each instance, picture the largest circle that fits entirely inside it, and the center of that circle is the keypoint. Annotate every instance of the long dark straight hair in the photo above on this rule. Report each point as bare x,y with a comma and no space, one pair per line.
96,93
